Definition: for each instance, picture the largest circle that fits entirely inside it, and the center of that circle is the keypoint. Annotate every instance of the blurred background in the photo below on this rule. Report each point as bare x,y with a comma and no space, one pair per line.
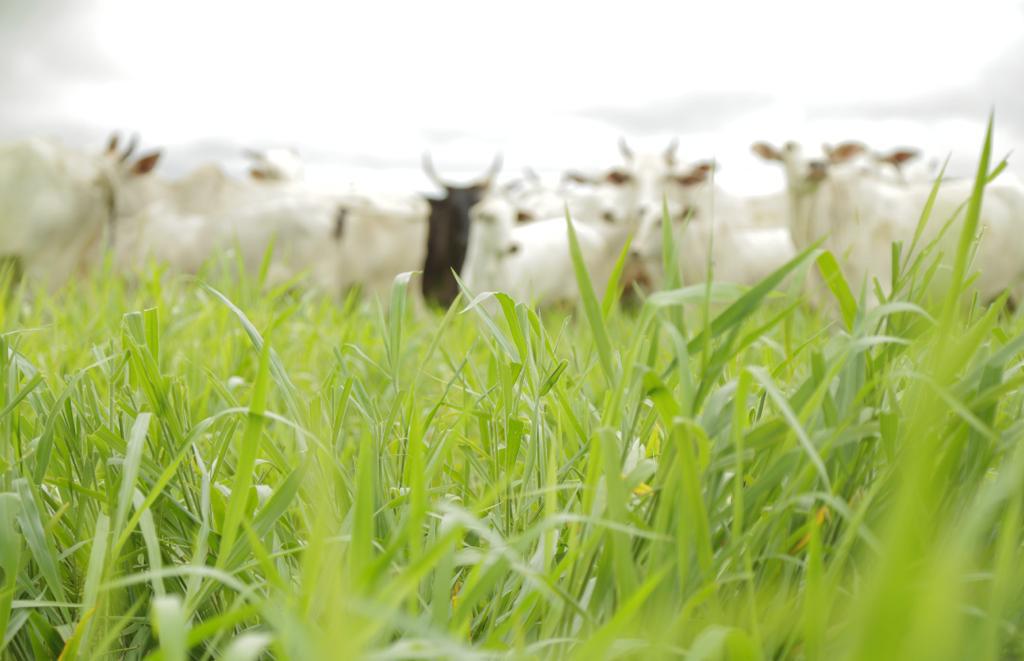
362,89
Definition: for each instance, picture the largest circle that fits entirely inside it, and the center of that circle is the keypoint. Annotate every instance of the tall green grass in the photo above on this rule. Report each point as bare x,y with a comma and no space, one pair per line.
193,470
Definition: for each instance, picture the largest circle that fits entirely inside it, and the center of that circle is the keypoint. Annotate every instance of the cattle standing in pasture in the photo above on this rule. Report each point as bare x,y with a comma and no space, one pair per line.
709,225
338,240
57,204
176,223
585,195
860,216
532,198
383,235
54,207
207,189
531,261
709,232
448,233
59,208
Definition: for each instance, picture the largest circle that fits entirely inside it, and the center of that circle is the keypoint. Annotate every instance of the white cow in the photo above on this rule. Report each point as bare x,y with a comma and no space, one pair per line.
532,198
532,262
587,196
176,223
656,175
860,216
207,189
338,240
383,235
710,232
709,225
58,205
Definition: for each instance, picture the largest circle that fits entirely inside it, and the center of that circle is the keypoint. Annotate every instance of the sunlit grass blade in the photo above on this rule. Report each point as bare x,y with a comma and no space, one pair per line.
836,282
591,308
970,226
171,624
248,449
613,291
746,304
10,557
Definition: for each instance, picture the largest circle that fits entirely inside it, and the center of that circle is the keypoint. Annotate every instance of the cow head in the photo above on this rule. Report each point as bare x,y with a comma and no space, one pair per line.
493,219
125,177
458,200
804,174
665,188
448,234
680,204
647,176
278,164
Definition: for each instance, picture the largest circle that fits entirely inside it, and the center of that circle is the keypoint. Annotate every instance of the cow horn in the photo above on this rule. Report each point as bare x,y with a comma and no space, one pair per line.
492,172
627,153
428,169
133,142
112,143
670,151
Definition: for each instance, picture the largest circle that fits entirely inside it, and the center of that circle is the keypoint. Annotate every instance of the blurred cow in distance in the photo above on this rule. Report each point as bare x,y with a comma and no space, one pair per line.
860,216
62,210
449,229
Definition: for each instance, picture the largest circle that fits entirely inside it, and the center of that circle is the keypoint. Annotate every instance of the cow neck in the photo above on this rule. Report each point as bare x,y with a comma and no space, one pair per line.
801,208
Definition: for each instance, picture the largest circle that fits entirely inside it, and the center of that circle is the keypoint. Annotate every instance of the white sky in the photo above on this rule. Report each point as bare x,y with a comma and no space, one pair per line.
362,88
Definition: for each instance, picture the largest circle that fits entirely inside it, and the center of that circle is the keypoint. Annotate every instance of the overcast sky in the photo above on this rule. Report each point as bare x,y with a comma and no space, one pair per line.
362,88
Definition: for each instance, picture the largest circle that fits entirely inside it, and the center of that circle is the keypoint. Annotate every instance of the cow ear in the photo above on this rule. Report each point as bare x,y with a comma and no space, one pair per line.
766,151
669,155
492,173
577,177
698,174
618,177
146,164
691,179
624,149
845,151
706,167
898,157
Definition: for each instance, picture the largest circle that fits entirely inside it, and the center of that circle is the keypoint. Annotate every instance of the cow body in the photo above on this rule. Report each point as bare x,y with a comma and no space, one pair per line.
55,207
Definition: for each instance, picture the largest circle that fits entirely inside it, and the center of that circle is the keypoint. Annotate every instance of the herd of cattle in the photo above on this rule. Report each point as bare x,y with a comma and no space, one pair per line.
62,211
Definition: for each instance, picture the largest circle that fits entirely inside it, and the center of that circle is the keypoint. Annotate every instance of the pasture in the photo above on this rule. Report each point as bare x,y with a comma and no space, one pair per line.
217,466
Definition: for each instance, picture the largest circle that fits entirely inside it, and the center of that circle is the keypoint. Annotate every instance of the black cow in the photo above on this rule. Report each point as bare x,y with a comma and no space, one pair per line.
448,233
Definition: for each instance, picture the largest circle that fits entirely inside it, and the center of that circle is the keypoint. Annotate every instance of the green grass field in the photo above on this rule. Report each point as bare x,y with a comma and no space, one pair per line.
205,468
